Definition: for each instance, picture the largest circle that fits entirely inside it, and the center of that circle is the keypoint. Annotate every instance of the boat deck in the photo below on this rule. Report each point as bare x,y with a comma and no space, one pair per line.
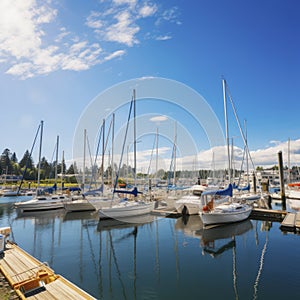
32,279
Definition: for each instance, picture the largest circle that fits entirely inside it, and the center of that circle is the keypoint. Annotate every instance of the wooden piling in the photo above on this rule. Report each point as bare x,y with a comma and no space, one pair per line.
281,177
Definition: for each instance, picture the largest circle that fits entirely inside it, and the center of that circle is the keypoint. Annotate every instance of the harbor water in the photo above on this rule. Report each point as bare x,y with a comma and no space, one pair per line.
161,258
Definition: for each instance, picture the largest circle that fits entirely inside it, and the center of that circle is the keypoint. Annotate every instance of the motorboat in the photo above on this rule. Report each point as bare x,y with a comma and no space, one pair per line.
190,204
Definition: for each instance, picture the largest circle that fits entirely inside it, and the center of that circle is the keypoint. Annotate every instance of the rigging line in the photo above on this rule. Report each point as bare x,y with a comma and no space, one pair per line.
148,172
240,128
108,133
241,169
89,150
172,164
123,147
98,145
54,150
27,161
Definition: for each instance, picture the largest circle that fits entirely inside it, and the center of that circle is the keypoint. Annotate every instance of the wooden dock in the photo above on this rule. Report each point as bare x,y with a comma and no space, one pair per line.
291,222
166,212
257,213
267,214
33,280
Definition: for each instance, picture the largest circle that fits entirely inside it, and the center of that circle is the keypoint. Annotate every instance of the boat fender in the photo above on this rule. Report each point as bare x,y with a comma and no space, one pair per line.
205,208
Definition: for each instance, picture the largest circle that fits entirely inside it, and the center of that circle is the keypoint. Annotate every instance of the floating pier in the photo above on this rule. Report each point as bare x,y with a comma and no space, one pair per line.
166,212
257,213
268,214
291,222
33,280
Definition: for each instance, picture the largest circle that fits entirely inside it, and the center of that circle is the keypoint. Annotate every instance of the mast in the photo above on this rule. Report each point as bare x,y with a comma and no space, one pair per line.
57,141
175,145
84,154
156,166
103,152
62,171
226,128
247,159
112,147
289,160
40,154
134,134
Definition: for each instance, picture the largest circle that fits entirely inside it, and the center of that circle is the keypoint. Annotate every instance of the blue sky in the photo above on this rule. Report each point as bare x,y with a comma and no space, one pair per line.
57,56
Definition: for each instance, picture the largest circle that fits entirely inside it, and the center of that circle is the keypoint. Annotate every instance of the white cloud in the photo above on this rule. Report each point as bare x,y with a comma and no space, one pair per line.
217,157
120,22
115,54
93,21
131,3
123,31
23,46
163,38
33,41
159,119
147,10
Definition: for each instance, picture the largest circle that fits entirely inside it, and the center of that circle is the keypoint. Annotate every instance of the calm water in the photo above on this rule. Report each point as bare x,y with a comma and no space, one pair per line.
163,259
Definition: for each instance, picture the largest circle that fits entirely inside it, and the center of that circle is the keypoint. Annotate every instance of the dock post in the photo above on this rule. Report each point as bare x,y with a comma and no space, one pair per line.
281,177
150,188
254,183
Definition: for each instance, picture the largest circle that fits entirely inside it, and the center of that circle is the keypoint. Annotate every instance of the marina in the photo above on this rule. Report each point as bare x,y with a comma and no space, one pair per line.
151,158
160,257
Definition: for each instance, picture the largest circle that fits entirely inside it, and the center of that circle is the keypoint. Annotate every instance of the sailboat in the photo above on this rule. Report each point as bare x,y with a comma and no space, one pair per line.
218,205
126,207
42,201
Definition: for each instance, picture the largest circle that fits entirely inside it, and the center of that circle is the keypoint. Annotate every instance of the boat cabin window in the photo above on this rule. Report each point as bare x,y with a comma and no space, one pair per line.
197,192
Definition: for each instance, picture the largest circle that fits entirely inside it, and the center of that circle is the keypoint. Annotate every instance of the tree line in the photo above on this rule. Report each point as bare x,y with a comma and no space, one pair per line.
10,165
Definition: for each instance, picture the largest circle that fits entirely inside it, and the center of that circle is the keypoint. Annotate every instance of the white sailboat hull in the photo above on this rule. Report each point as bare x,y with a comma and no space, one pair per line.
126,209
9,193
42,204
293,194
226,214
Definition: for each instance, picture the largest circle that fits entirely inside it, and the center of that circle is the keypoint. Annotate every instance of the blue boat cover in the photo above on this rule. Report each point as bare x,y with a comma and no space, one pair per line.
224,192
94,192
245,188
50,190
134,192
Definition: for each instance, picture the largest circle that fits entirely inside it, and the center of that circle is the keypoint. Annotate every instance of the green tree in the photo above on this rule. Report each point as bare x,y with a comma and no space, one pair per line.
70,170
5,162
14,158
26,160
45,169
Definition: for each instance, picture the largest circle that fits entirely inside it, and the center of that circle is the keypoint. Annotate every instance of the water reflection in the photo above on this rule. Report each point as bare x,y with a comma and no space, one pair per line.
152,258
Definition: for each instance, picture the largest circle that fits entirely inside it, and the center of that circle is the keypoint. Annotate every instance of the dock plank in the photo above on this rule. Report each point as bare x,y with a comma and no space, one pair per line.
64,292
18,266
297,220
289,221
